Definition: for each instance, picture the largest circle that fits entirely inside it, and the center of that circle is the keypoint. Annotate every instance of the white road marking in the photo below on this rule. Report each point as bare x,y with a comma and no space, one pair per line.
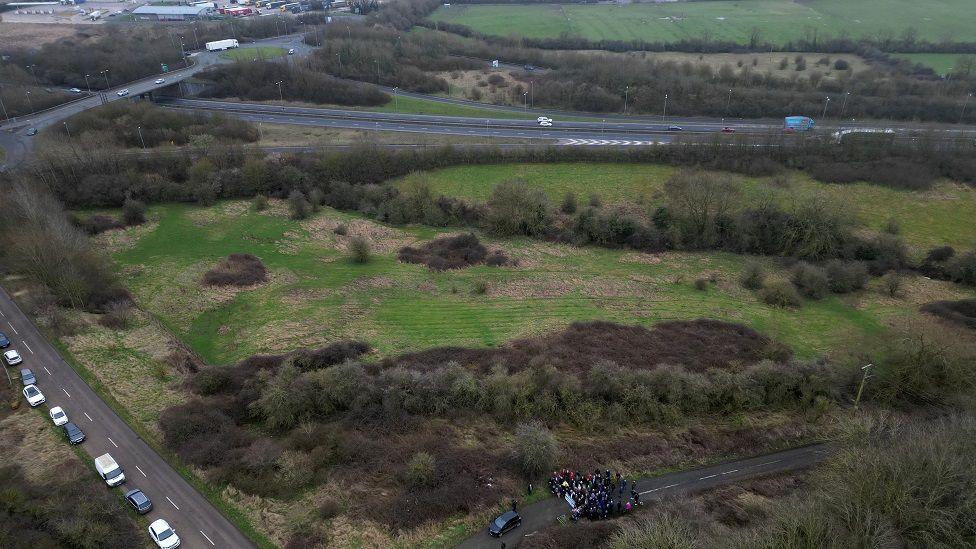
112,441
206,536
65,392
28,347
12,328
89,417
730,472
670,486
48,371
769,462
649,491
141,471
709,476
171,501
3,315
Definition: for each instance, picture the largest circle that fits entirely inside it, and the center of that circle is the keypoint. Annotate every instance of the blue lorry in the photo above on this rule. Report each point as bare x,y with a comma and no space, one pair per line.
798,123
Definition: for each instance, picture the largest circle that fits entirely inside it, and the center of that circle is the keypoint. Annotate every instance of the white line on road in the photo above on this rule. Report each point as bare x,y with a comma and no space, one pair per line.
709,476
12,328
649,491
769,462
171,501
730,472
206,536
143,472
65,392
670,486
28,347
3,315
48,371
89,417
112,441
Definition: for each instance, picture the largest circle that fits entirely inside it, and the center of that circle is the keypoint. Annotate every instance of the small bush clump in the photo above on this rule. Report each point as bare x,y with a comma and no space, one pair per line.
421,470
810,280
359,250
891,284
753,276
701,284
780,294
259,203
298,205
133,212
535,448
846,276
236,270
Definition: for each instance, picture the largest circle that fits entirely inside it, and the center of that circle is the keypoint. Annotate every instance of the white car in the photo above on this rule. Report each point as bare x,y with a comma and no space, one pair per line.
58,415
74,90
163,535
122,93
34,395
543,119
545,123
291,51
12,357
160,80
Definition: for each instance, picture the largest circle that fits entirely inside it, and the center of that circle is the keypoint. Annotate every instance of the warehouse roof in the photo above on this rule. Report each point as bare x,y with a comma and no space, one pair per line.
170,10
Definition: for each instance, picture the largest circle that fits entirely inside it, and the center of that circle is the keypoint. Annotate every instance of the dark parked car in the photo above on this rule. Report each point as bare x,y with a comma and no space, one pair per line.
728,129
675,128
27,377
504,524
4,342
139,501
73,433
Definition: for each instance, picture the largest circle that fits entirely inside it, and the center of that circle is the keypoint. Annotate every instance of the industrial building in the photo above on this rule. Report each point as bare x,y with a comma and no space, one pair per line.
173,13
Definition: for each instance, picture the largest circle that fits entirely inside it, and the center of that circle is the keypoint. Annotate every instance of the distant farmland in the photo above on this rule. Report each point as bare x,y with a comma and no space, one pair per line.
778,20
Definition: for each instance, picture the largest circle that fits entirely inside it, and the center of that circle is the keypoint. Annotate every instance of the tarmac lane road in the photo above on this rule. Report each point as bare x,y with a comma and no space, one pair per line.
544,513
198,523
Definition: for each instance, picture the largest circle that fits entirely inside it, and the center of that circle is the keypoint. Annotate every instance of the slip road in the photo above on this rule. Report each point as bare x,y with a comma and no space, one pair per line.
198,523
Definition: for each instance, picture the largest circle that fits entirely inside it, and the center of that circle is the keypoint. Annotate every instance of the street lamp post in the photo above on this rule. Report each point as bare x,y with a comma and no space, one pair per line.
66,130
626,93
525,100
29,103
87,85
143,141
377,62
396,100
105,74
826,102
2,106
843,106
728,103
339,57
280,94
964,103
31,67
665,116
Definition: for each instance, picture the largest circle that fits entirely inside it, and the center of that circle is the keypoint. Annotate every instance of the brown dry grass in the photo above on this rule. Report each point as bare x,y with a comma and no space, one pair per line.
31,442
382,239
32,35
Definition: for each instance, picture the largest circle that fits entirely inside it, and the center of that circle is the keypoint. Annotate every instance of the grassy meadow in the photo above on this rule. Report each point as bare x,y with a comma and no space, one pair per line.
251,53
927,218
778,20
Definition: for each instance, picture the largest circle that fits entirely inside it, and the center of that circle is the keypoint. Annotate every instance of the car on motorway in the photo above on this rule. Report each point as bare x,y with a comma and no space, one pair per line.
73,433
58,416
12,357
291,51
122,93
74,90
34,396
27,377
4,341
32,131
163,535
505,523
728,129
139,501
543,119
529,67
675,129
159,81
546,123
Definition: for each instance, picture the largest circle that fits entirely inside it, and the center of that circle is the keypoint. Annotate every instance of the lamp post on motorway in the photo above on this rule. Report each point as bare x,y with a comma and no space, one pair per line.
728,104
843,106
105,74
2,107
525,100
396,102
87,85
665,116
280,94
377,62
143,141
29,103
31,67
339,57
66,130
626,93
964,103
826,102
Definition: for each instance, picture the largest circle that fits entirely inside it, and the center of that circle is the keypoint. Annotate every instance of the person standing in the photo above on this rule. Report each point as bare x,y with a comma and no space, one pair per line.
514,504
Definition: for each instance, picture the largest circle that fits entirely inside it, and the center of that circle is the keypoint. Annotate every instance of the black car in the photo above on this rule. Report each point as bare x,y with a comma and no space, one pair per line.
504,524
675,129
73,433
27,377
139,501
4,342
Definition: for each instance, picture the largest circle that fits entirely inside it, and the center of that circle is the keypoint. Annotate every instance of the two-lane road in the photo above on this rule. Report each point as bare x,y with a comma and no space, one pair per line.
198,523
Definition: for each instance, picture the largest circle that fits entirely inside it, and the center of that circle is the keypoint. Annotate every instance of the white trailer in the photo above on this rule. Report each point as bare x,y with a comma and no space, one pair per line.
219,45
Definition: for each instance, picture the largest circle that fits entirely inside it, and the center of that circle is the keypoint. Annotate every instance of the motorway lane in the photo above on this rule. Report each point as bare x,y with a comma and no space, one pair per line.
544,513
195,520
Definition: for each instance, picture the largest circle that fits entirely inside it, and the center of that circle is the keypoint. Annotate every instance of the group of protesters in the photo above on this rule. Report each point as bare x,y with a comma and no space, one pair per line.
596,495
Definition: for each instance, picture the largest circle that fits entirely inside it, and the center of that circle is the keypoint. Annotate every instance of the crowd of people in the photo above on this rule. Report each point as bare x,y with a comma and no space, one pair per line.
596,495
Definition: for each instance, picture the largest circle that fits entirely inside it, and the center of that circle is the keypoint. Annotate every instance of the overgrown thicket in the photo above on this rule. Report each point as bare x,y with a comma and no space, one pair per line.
896,484
236,270
599,82
258,81
452,252
71,510
138,124
962,311
41,243
24,99
132,53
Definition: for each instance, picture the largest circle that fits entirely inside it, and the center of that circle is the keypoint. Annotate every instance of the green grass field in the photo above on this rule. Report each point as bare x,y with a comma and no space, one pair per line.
941,63
777,20
933,218
413,105
251,53
316,296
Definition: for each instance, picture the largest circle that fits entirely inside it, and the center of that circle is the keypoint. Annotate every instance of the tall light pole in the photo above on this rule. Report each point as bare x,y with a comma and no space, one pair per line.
525,100
2,106
87,85
31,67
143,141
195,40
964,103
29,103
843,107
396,102
626,93
183,53
728,103
66,130
377,62
826,102
339,57
665,117
280,94
105,74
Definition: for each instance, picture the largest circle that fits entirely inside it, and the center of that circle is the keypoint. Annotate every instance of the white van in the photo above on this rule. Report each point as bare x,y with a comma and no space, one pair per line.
109,470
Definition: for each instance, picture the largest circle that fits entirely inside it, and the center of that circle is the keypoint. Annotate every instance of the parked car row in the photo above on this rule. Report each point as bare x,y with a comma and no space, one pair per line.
108,469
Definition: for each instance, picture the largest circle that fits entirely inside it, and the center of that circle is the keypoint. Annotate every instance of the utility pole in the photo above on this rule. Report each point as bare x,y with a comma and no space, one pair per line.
183,53
339,57
860,389
139,129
